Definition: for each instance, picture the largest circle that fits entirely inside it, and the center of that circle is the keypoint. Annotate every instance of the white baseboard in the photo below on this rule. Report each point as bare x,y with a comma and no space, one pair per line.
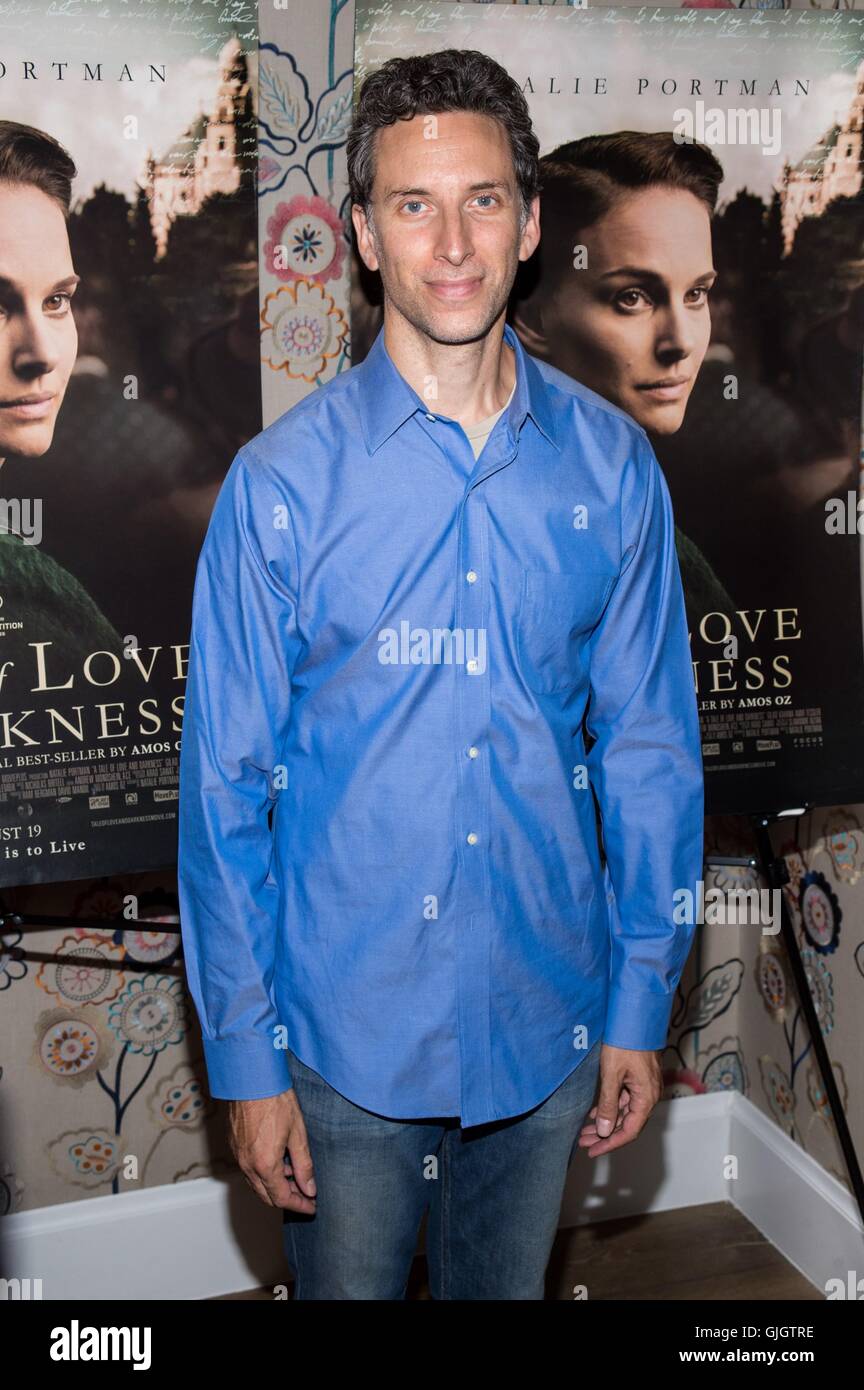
798,1206
206,1236
681,1159
187,1240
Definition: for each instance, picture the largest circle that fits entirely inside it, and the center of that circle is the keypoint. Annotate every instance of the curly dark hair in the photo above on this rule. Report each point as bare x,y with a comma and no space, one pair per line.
453,79
29,156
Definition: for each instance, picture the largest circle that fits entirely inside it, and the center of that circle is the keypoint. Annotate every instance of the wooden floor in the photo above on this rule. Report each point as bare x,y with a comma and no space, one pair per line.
699,1253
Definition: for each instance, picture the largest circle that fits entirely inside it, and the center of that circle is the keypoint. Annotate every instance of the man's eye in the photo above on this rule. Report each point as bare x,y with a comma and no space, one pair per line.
412,202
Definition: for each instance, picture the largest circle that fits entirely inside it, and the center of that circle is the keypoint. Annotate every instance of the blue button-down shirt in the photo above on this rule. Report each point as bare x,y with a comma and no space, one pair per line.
388,850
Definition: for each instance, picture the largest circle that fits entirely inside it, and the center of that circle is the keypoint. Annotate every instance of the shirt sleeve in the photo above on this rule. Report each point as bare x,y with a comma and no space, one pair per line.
243,645
646,763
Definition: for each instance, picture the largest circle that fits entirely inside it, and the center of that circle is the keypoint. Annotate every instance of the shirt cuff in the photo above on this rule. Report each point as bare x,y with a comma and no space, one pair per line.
249,1067
637,1019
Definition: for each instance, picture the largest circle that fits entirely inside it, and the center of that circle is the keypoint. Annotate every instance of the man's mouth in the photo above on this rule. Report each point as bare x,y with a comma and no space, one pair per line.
454,289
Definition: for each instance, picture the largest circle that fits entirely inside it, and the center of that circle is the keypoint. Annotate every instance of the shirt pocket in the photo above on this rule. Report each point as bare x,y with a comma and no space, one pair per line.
556,611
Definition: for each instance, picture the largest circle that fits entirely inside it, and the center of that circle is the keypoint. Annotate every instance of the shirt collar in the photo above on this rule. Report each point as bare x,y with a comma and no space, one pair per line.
387,400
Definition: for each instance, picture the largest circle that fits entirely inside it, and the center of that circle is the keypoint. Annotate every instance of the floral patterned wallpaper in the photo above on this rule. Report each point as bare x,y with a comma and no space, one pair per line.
103,1086
102,1083
305,93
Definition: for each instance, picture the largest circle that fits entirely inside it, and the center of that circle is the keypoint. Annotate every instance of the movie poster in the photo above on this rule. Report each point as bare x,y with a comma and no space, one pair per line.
129,376
753,407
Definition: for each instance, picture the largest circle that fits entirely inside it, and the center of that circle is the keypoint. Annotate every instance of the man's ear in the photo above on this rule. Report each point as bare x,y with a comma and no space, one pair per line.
528,326
530,238
365,240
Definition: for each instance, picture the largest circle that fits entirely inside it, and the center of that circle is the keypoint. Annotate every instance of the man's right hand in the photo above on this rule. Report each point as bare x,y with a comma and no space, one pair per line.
260,1131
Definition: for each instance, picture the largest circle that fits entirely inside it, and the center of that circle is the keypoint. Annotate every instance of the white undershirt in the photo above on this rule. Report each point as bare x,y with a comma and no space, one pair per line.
479,433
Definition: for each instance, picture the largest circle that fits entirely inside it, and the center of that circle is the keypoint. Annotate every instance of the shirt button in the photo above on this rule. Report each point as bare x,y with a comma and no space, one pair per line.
472,665
471,576
471,837
429,417
472,751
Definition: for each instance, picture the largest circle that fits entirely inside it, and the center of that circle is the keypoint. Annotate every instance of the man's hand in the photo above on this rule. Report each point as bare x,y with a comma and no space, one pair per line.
260,1132
631,1083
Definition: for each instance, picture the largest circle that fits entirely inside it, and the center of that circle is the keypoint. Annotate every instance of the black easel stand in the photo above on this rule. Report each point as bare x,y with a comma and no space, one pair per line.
42,921
777,873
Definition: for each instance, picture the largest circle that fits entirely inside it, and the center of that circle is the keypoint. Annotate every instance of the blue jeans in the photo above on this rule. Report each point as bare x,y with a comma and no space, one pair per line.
493,1191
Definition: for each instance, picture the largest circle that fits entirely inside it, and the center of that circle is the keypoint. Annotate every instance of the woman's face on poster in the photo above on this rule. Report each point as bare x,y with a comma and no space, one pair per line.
38,339
633,323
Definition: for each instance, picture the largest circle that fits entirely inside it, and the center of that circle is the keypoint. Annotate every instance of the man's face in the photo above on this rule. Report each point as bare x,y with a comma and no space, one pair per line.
38,339
636,315
445,231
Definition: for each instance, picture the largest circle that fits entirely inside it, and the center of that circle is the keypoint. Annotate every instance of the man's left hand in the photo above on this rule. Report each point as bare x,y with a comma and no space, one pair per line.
631,1083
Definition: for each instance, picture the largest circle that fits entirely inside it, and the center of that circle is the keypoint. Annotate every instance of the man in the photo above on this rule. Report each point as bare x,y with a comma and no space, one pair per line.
413,978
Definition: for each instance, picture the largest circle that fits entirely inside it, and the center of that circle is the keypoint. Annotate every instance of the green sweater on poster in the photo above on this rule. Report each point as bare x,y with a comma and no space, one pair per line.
703,591
52,607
